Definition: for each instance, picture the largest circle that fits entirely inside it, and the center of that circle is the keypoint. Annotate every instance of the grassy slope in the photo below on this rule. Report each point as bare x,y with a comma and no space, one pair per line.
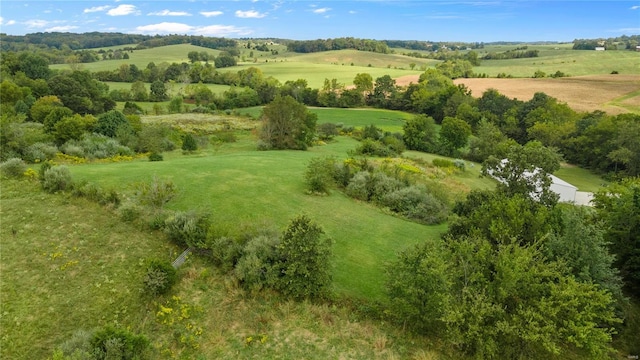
66,264
45,301
140,58
244,186
571,62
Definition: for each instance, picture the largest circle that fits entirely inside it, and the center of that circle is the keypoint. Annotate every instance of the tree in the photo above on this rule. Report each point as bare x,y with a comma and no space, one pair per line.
618,206
454,134
72,128
525,171
43,106
363,83
224,60
175,105
579,242
34,66
502,301
139,91
488,142
111,122
420,133
304,255
189,143
287,124
193,56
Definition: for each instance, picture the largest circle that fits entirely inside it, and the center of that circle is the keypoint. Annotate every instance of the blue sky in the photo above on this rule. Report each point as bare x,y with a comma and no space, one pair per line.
468,21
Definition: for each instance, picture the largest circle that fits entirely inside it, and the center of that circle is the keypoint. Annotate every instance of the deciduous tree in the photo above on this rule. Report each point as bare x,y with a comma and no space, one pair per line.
287,124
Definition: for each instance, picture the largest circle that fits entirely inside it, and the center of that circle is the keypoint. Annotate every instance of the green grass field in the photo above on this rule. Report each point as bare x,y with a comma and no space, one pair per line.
69,265
570,62
243,186
387,120
140,58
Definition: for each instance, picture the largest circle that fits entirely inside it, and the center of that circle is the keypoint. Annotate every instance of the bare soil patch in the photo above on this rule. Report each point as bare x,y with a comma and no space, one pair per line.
581,93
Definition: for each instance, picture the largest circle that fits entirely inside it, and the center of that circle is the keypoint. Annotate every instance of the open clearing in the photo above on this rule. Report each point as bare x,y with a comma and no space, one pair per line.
614,94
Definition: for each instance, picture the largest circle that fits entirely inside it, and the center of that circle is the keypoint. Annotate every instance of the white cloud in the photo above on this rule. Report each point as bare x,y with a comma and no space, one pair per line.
250,14
635,7
179,28
353,12
123,10
97,9
211,13
165,28
61,28
36,23
221,30
321,10
626,30
170,13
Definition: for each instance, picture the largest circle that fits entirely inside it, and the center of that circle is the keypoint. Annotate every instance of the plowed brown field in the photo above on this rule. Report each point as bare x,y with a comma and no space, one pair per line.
614,94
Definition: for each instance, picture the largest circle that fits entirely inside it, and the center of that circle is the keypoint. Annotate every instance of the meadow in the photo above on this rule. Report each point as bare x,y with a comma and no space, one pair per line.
70,265
242,186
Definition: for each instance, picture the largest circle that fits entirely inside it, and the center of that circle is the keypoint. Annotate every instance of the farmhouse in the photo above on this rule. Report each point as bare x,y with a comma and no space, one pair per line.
600,48
566,191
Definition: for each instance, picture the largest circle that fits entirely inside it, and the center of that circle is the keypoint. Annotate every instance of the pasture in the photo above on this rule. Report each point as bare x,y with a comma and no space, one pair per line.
241,186
68,265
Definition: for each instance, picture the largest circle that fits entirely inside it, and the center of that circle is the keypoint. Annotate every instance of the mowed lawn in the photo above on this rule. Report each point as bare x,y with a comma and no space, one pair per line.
247,187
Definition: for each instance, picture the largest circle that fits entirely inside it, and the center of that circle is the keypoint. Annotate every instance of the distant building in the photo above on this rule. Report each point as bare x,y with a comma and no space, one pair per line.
600,48
565,191
637,47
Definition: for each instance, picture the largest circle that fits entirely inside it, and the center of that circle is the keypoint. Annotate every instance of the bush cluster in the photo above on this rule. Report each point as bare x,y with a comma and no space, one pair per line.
414,202
160,277
13,168
57,178
103,344
95,146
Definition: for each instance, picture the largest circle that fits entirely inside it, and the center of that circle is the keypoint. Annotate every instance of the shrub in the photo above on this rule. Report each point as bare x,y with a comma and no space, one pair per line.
360,186
188,228
155,157
43,169
160,277
372,132
327,131
459,164
130,212
13,168
57,178
382,184
342,174
442,163
225,253
111,343
73,150
256,269
155,193
40,152
318,175
262,145
415,203
304,255
395,143
189,143
372,147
